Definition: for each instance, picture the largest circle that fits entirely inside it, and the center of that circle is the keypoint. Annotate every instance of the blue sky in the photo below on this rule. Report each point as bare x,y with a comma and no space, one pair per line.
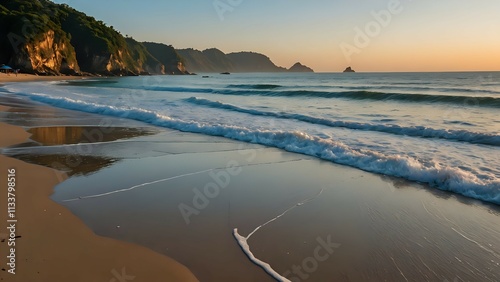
421,35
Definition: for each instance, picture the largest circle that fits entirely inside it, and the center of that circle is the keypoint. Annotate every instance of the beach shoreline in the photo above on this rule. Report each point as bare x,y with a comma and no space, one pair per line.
52,244
381,227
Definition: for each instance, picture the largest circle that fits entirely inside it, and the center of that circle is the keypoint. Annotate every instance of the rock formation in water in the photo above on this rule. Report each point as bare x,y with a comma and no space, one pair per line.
349,69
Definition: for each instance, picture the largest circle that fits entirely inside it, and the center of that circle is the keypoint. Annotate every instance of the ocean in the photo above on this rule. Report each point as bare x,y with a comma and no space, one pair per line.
440,129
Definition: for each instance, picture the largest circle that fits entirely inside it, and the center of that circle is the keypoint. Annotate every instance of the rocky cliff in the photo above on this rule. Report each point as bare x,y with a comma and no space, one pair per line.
220,61
99,49
146,62
167,56
198,61
47,38
47,54
33,43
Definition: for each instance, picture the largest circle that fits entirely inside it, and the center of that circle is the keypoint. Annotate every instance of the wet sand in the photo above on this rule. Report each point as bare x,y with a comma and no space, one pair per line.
382,229
54,245
182,195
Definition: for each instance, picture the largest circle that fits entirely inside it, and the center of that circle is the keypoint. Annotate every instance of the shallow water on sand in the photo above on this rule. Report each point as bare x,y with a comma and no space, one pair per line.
441,129
182,194
361,227
379,230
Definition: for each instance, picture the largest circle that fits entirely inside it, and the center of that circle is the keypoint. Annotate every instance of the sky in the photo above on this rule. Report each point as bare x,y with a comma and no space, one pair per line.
327,35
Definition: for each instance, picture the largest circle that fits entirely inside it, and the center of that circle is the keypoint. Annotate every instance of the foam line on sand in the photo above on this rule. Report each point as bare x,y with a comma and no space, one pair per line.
168,179
243,241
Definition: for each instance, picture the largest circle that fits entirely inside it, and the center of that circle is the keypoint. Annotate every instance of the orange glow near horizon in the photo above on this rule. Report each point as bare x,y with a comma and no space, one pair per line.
473,50
434,36
445,35
425,59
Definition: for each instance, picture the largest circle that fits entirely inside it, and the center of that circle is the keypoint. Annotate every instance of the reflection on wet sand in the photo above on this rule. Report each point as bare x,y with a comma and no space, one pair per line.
62,135
73,165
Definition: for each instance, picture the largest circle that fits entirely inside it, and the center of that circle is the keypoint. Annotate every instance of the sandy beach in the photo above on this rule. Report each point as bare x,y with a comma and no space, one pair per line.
181,195
52,244
240,142
23,77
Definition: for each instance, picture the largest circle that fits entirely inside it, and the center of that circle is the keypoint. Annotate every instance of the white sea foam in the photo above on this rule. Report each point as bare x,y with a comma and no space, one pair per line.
417,131
243,241
448,178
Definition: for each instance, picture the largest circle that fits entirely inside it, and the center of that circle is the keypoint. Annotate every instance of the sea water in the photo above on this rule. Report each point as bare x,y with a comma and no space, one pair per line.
441,129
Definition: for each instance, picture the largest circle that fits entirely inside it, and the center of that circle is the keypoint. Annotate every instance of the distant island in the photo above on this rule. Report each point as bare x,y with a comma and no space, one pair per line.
298,67
214,60
349,69
63,41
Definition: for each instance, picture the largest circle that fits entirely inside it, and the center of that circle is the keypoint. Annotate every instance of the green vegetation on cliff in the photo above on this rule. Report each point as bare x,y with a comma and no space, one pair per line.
32,41
168,56
99,48
40,36
143,57
197,61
